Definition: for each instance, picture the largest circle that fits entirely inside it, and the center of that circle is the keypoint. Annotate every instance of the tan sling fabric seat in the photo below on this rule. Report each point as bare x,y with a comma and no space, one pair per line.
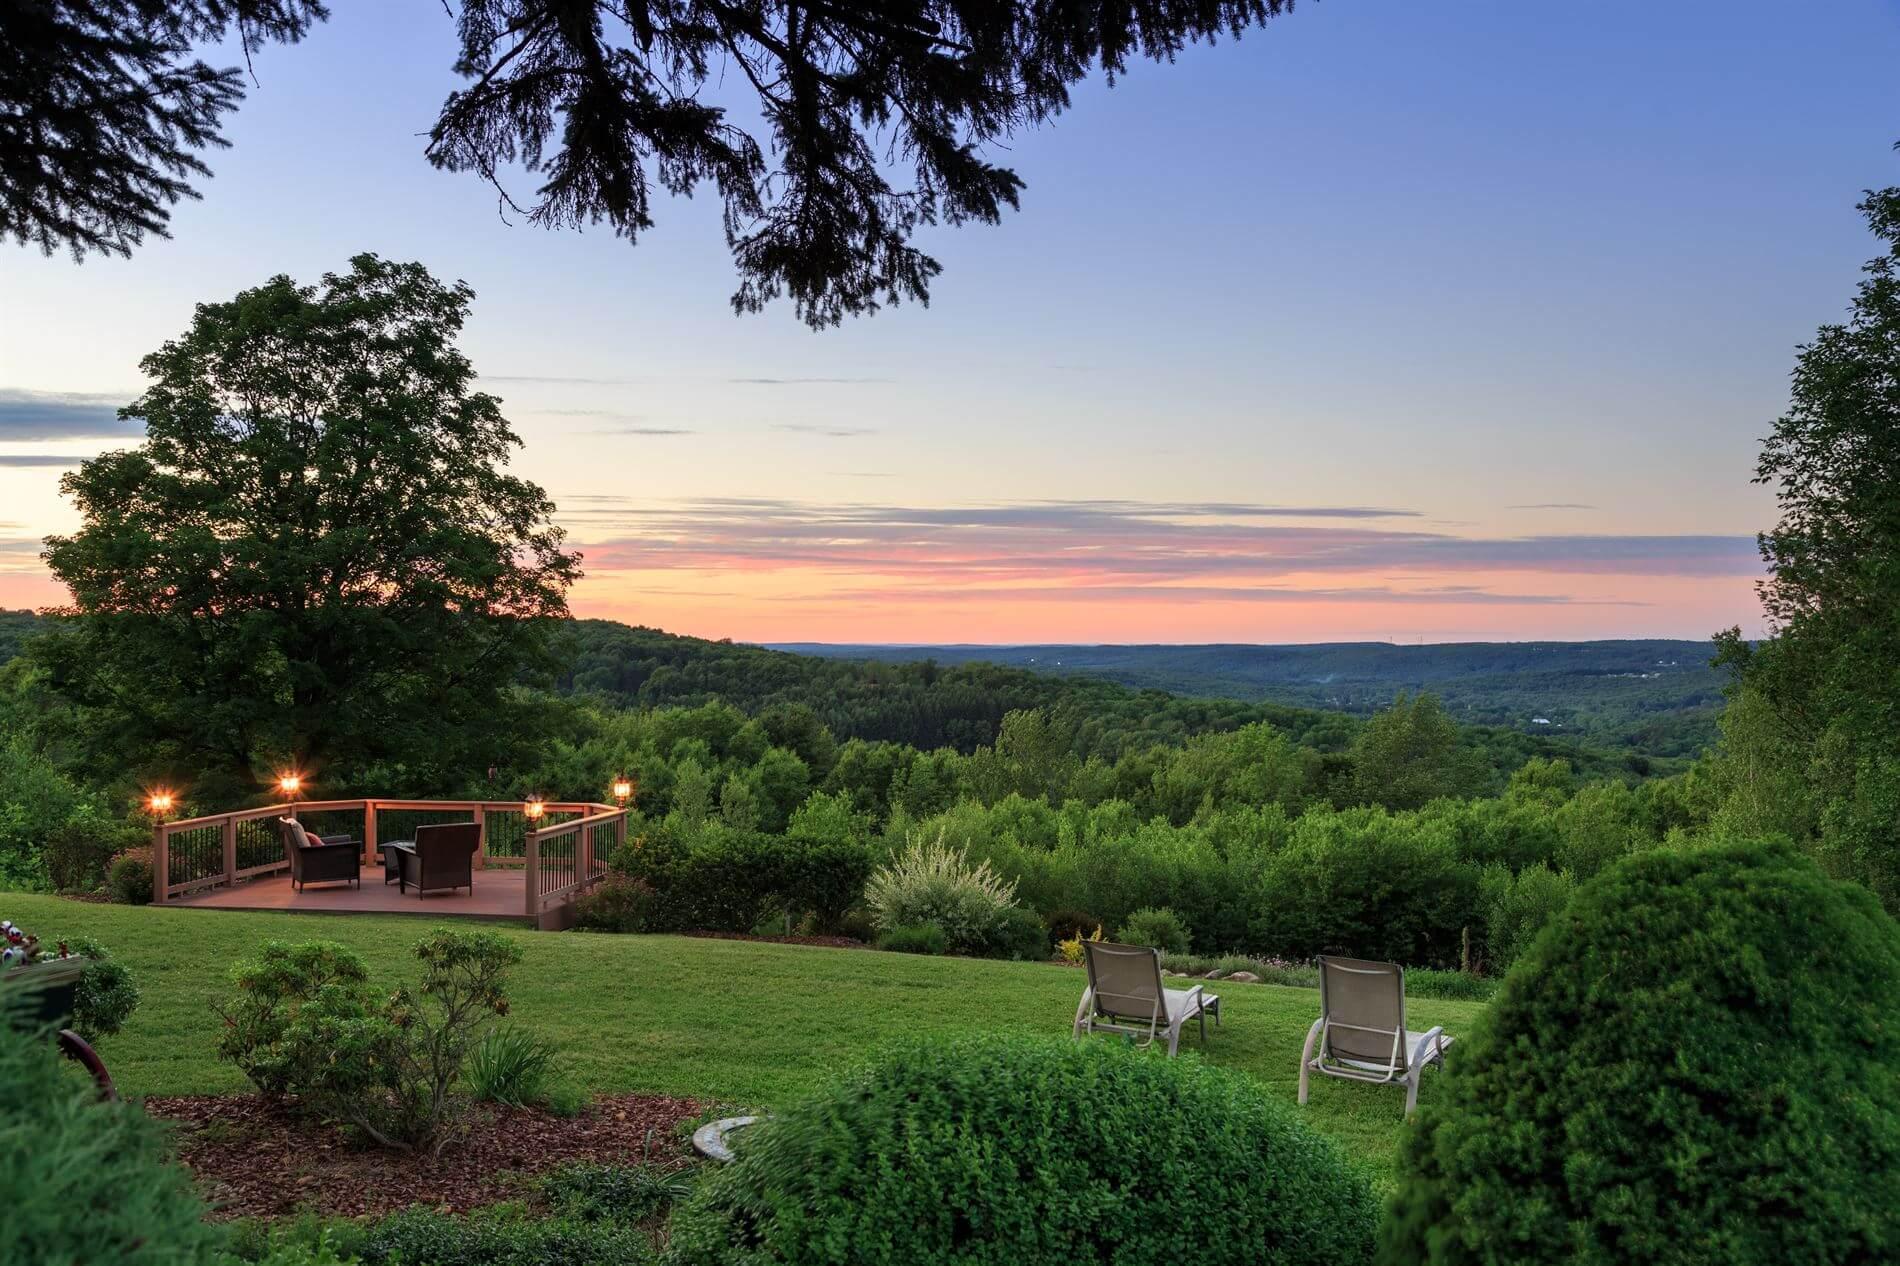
1361,1035
1125,995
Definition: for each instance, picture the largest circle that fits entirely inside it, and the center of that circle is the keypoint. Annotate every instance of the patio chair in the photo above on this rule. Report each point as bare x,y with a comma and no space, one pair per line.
440,857
1361,1035
319,859
1125,995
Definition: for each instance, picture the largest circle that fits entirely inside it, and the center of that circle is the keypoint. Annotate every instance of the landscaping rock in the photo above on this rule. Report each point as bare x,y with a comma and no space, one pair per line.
1245,977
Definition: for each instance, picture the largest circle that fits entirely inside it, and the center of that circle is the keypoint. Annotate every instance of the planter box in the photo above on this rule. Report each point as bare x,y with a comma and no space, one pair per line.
49,990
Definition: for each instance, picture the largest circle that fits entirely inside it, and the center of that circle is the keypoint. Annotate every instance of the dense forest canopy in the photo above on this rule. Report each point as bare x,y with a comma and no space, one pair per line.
1659,697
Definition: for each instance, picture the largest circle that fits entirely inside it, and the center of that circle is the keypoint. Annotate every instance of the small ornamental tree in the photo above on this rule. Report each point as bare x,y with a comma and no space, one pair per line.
1698,1061
1020,1150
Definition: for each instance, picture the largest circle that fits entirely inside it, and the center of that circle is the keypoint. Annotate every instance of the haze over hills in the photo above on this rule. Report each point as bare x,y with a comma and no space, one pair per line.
1658,695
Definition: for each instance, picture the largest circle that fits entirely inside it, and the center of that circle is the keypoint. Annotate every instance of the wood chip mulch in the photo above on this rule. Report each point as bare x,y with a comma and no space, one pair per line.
254,1157
827,942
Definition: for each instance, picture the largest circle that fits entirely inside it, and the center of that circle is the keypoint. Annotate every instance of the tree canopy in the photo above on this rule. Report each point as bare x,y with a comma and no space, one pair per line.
832,130
1830,676
315,556
104,112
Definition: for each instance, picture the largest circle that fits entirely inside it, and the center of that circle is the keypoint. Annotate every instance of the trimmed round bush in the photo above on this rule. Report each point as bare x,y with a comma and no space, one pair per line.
1160,929
129,879
1014,1150
1698,1061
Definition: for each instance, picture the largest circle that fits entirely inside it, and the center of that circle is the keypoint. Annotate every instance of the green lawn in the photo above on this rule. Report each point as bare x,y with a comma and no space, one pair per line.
733,1021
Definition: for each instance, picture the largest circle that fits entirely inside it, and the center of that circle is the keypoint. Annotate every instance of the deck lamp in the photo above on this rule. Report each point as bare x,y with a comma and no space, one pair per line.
623,790
533,809
160,803
289,784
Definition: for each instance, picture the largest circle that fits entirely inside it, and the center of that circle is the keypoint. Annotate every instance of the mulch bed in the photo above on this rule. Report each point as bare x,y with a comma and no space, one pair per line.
827,942
257,1158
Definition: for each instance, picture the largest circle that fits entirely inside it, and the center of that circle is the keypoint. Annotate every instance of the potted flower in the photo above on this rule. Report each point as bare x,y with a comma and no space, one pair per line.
74,984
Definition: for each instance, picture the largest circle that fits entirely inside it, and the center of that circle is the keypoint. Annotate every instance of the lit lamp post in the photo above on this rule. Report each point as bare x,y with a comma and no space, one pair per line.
289,785
160,804
533,810
623,790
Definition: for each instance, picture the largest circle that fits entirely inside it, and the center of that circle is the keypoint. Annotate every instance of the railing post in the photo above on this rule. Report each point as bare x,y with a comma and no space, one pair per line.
370,850
586,859
230,849
481,840
531,873
161,863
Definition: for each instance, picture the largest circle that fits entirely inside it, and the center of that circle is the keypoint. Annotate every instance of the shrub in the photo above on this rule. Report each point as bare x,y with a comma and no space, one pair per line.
86,1181
512,1066
1071,952
129,878
391,1066
1516,908
610,1193
78,852
106,996
1160,928
934,883
1004,1150
915,938
271,990
825,878
1020,936
501,1237
1370,884
1066,925
1697,1062
617,903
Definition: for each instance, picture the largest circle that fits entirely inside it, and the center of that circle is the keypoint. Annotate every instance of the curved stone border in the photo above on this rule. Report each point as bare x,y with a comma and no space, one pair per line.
711,1140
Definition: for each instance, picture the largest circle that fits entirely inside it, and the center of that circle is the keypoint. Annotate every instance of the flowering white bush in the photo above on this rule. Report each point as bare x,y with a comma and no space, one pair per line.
932,883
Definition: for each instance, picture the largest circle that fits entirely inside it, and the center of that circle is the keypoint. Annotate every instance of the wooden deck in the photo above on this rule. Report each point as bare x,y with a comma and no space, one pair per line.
500,893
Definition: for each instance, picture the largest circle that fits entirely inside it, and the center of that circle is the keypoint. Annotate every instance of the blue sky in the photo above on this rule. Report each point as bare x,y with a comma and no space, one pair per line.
1449,261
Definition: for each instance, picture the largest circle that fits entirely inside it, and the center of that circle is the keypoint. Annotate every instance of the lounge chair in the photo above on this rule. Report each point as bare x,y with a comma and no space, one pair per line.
1125,995
319,859
1361,1035
440,857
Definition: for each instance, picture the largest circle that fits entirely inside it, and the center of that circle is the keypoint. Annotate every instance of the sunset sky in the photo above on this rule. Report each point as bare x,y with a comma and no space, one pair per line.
1396,321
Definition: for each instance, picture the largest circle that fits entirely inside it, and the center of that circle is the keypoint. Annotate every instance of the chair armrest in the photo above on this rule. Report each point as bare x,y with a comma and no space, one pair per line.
1430,1040
333,841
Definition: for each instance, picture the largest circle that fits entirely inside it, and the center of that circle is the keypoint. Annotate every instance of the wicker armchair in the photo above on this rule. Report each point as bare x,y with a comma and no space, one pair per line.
319,859
440,857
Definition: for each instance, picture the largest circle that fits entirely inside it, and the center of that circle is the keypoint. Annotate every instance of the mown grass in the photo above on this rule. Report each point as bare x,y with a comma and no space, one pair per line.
738,1022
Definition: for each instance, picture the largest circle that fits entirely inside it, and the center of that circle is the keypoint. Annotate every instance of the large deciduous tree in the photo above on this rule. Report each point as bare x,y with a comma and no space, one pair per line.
104,111
1829,736
833,130
315,556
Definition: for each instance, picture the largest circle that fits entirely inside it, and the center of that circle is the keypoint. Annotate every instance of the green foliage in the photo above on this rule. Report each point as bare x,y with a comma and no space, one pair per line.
513,1066
306,1023
79,851
272,990
1696,1063
914,938
933,883
501,1237
129,878
323,442
1369,883
35,799
1013,1150
616,904
1518,907
1410,755
715,878
1830,677
106,996
592,1192
1160,928
86,1181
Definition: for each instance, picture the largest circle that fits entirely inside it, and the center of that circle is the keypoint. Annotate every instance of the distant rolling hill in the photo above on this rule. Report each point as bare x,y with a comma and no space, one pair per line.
1657,696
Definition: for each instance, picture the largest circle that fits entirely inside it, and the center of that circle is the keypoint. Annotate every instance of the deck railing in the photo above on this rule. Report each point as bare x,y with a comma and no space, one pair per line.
562,852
